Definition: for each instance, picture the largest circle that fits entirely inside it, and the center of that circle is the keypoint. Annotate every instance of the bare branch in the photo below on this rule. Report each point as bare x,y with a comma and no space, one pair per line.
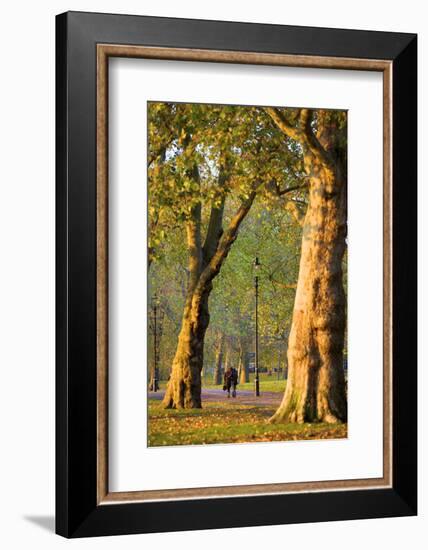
284,285
283,192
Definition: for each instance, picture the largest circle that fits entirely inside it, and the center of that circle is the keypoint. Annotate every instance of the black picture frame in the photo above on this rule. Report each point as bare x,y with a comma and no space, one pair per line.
77,511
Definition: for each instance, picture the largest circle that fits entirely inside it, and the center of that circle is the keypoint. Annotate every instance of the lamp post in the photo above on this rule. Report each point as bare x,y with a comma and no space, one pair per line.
156,318
256,355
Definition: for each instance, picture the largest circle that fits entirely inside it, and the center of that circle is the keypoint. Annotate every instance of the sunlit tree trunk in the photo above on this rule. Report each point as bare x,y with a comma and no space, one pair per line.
240,358
244,373
228,355
218,361
315,389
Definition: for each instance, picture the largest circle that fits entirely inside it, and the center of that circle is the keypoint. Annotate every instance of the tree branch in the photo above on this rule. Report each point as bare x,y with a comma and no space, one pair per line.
295,211
215,224
283,192
160,152
283,285
283,124
193,232
306,118
302,133
225,242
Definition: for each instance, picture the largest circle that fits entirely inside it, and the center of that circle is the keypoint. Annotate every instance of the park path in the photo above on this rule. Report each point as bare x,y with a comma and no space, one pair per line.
244,397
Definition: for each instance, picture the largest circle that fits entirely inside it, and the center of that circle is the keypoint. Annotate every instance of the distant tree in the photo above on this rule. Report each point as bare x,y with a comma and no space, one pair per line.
275,238
244,367
219,360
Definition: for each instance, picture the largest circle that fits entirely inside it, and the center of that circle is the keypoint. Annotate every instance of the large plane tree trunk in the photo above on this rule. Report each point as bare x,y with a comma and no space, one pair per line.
315,390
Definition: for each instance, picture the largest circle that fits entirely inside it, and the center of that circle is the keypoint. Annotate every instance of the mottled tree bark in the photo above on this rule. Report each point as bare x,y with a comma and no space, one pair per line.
184,387
315,388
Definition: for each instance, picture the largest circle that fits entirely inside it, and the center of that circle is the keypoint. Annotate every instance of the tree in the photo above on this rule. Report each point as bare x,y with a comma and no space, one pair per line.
218,360
200,166
243,372
210,168
315,388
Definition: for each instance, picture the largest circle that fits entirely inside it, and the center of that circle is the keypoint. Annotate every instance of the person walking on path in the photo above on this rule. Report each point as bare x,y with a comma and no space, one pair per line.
230,381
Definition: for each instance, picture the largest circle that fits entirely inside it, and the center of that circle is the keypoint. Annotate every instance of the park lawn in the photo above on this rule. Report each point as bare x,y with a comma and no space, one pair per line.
219,422
265,385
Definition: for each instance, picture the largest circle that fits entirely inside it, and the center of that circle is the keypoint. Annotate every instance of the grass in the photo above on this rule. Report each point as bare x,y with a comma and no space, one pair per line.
226,422
267,383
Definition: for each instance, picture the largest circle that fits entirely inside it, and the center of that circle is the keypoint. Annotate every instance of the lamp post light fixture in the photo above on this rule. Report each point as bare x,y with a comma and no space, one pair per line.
256,355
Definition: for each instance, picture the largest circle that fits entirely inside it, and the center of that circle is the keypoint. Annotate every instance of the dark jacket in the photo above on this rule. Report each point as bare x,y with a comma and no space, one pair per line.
231,377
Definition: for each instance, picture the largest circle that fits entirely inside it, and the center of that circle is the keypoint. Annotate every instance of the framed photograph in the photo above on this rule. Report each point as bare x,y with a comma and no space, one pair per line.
236,274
